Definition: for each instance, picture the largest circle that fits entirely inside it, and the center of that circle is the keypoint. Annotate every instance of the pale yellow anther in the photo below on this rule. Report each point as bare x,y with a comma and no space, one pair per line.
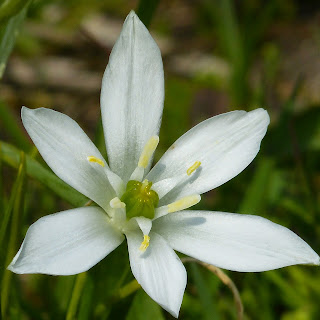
183,203
193,168
148,151
116,203
145,243
96,160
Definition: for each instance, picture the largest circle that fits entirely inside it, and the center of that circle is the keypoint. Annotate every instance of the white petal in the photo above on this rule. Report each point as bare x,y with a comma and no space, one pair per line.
66,243
132,96
225,145
65,148
158,270
234,241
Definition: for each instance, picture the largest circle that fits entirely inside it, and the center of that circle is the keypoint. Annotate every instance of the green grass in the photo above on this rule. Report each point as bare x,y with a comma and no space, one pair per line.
281,184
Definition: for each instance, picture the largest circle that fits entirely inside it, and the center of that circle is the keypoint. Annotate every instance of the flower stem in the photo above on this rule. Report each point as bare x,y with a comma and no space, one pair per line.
127,290
225,279
76,294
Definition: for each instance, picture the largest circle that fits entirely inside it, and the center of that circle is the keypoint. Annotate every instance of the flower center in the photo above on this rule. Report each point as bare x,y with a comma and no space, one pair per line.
140,200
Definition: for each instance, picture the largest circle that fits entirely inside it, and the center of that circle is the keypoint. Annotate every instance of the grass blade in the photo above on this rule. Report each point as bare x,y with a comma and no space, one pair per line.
10,155
144,308
1,187
8,210
10,126
257,191
9,31
14,230
146,10
76,295
205,296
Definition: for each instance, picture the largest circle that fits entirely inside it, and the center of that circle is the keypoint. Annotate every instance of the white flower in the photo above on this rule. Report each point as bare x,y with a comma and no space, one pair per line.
145,207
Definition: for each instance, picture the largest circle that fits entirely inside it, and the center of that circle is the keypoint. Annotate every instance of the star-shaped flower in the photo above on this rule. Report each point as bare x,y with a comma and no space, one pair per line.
147,207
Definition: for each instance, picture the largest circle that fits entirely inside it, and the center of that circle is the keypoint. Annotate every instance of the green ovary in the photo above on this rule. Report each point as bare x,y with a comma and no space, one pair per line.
140,200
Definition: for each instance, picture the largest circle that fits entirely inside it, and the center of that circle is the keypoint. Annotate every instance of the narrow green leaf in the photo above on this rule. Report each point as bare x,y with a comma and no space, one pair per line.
146,10
7,212
209,310
9,30
10,126
1,188
291,296
108,276
231,41
85,306
256,193
128,289
294,206
230,32
12,244
62,293
76,295
10,155
144,308
10,8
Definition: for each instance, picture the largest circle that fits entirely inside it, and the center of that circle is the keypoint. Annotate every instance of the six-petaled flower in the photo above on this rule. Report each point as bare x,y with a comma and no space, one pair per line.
148,207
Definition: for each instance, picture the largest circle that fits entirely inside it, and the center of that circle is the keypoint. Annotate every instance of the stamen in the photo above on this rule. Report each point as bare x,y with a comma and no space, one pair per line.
117,213
114,180
116,203
193,168
162,187
179,205
96,160
144,159
145,243
148,151
184,203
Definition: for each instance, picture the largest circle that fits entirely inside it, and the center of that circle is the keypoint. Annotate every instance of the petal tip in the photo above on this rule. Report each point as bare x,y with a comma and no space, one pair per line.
263,114
24,110
11,267
15,266
133,23
29,112
316,261
132,14
312,258
132,17
173,312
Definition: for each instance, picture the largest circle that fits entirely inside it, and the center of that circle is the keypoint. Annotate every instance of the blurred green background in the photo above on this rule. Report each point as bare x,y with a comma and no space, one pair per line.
219,55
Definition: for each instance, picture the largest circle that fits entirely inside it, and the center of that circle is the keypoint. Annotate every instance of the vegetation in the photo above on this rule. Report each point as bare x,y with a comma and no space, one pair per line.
219,55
